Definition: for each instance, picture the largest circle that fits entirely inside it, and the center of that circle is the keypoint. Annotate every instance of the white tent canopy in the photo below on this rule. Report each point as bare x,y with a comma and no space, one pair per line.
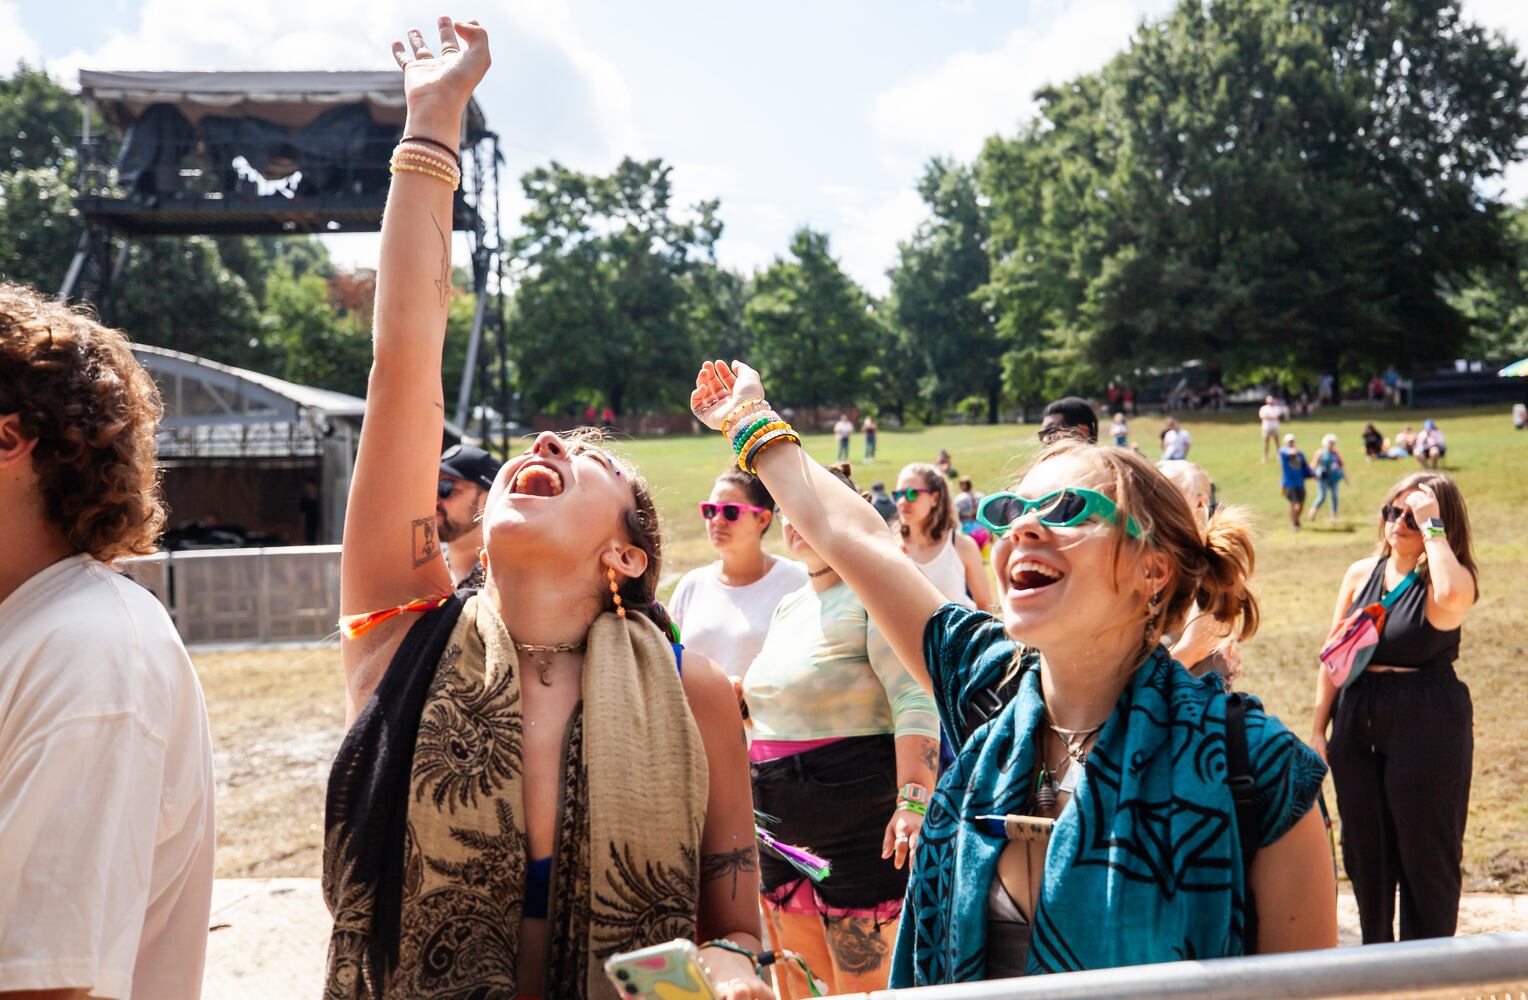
289,99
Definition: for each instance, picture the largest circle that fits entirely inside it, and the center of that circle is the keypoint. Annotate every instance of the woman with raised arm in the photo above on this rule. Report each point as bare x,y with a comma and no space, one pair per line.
1087,821
534,778
1402,742
930,537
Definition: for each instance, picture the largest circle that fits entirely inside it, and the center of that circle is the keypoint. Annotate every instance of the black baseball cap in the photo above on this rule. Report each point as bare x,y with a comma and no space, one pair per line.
469,462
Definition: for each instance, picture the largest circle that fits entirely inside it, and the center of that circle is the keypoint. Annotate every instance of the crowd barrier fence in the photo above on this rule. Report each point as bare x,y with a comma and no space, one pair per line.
1491,966
231,597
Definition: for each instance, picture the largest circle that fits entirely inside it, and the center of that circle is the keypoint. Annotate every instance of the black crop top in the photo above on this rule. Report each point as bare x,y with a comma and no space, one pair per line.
1408,639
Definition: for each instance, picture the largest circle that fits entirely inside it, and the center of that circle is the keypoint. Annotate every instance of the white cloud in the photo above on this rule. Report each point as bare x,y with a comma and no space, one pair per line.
974,94
15,43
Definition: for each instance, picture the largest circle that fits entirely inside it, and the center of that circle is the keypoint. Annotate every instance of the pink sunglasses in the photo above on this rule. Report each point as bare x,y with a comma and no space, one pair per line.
731,511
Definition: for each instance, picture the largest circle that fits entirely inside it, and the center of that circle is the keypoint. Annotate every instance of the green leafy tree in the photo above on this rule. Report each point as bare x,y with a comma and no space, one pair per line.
1286,184
938,292
603,313
811,326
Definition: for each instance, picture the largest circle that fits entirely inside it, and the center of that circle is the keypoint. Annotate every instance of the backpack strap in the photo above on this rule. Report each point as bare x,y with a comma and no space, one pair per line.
1244,795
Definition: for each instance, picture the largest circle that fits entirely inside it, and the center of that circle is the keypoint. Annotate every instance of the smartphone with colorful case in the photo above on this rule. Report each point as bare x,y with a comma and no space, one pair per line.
671,971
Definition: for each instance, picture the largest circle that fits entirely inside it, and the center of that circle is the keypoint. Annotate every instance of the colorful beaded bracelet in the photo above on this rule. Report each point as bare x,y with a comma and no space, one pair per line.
772,438
739,410
756,436
751,428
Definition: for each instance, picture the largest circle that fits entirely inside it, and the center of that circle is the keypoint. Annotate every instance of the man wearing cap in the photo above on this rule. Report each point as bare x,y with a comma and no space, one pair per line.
1294,470
466,475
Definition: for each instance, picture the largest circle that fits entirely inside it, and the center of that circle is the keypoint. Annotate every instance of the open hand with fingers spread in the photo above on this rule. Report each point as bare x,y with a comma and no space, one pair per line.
719,387
437,86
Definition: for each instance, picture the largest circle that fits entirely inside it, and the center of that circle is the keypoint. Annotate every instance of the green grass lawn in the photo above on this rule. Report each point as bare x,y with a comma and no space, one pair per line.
1297,574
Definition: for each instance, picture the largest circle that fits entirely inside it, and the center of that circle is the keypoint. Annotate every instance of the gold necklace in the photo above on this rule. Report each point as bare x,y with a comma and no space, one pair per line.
542,654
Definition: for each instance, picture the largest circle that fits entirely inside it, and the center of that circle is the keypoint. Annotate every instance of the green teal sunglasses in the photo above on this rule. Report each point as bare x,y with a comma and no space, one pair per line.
1061,509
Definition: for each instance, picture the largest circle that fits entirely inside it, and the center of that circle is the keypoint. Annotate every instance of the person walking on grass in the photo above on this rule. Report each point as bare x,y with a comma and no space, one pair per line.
106,781
499,820
845,753
723,609
1269,415
1330,473
1401,745
1294,470
1043,848
843,430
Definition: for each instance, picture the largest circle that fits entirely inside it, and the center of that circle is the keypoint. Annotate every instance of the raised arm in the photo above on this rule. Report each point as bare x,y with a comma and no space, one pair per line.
836,521
391,554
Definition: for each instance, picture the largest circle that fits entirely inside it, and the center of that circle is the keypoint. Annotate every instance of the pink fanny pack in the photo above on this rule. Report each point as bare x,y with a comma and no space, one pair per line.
1351,644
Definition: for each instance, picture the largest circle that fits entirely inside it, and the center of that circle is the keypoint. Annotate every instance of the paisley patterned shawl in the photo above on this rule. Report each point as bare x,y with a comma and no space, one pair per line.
1144,862
625,869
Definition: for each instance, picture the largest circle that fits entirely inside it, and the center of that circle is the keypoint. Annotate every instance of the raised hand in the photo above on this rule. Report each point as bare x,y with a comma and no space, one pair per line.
719,387
438,86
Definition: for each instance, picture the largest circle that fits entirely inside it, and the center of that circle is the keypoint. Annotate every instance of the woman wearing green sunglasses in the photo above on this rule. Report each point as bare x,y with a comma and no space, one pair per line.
1088,805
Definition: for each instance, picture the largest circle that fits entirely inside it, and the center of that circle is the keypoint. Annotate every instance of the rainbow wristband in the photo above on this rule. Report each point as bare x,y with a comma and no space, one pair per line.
750,429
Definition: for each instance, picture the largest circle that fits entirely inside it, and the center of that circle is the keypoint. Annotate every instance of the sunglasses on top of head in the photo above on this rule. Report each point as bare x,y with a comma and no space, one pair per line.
730,511
1063,508
1390,513
908,494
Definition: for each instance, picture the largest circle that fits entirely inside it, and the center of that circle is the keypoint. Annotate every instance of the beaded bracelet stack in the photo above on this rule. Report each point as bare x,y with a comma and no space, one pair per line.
753,427
414,155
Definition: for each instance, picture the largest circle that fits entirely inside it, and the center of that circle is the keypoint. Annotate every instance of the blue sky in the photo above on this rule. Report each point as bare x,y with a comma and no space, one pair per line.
799,113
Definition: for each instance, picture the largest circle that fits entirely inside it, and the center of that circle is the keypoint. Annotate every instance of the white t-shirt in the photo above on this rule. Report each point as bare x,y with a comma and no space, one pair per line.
1175,444
728,624
106,793
1269,414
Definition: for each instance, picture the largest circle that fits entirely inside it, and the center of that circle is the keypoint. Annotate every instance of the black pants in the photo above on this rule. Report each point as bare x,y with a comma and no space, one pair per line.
1400,754
835,800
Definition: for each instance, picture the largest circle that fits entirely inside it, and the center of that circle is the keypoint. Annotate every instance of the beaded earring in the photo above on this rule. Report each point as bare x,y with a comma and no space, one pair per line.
615,594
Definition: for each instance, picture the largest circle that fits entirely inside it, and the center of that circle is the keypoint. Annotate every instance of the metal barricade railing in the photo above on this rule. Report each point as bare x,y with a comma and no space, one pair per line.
1493,966
246,596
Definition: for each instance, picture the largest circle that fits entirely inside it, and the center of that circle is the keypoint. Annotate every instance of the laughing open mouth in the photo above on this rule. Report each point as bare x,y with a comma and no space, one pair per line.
537,480
1026,574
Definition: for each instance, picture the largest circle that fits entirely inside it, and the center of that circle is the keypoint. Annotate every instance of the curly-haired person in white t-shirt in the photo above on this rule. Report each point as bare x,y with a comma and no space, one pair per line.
106,796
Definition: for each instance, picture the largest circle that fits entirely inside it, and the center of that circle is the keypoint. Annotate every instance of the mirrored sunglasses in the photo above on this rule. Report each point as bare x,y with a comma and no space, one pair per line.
1063,508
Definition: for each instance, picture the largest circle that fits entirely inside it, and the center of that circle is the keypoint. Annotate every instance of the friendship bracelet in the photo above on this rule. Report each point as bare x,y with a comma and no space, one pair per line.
436,143
759,435
749,430
772,438
405,168
739,410
432,160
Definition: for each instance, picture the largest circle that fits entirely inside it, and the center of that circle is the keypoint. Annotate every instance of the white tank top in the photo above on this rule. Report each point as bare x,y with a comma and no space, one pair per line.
947,573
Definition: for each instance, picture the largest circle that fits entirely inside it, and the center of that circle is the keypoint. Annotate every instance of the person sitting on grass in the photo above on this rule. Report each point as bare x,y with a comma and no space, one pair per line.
1430,446
1294,470
499,818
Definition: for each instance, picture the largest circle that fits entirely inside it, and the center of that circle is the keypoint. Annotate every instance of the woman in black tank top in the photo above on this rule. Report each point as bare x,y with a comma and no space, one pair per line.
1401,744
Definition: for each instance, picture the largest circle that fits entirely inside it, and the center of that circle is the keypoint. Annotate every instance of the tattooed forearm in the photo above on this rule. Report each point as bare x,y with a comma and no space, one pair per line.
733,863
425,547
443,283
931,757
856,944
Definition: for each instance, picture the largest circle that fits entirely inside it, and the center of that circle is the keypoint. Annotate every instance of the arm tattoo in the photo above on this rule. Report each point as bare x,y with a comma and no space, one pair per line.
856,944
443,283
734,863
425,548
931,758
